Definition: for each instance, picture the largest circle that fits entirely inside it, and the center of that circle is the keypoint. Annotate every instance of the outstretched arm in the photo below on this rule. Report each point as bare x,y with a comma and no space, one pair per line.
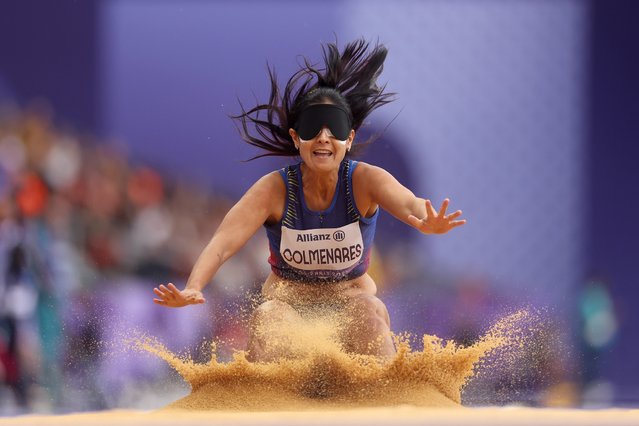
383,189
256,206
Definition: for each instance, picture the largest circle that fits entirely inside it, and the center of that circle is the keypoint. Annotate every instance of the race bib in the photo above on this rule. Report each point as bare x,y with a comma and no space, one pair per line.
327,248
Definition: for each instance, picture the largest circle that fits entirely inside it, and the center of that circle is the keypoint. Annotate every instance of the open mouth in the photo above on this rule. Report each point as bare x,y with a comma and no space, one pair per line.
322,153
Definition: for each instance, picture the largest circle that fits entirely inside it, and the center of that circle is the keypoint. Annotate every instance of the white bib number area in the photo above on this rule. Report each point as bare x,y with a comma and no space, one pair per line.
327,248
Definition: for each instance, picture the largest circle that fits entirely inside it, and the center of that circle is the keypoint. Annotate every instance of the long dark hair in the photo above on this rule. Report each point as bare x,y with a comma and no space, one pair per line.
348,79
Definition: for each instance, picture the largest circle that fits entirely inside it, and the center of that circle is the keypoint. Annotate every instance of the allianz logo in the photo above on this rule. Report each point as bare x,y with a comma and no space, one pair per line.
310,237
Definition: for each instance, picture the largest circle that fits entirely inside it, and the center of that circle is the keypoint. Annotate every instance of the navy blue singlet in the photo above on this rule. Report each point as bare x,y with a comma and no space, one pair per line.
320,246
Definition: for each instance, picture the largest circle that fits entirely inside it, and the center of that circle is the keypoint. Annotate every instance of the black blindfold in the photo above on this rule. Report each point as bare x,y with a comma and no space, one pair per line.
313,118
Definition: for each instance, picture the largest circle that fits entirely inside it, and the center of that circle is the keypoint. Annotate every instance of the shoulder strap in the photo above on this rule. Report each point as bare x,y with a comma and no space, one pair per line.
347,175
292,190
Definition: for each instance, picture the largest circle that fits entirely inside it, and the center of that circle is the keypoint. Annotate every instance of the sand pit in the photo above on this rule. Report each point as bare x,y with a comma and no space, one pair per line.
404,415
319,375
324,385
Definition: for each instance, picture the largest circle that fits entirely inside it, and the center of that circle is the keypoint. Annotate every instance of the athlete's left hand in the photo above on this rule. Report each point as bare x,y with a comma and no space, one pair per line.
434,222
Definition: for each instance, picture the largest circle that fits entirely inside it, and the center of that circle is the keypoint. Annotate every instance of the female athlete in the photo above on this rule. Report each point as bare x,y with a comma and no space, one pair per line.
319,213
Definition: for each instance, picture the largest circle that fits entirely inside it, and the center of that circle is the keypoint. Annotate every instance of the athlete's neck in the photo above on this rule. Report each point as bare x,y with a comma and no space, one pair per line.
319,186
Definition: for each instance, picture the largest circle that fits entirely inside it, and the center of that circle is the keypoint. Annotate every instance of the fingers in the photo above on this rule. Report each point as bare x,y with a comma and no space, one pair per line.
430,211
436,222
456,223
442,210
167,295
162,294
171,296
454,215
172,289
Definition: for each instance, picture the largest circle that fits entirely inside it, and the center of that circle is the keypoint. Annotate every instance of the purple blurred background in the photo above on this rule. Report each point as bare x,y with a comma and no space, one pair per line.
524,113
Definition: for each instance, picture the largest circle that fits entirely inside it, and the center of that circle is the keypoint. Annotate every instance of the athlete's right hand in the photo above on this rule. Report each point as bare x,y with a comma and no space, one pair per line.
171,297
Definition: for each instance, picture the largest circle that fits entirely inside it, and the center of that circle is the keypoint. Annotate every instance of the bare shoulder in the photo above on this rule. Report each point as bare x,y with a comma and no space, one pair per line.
367,176
270,183
270,192
268,187
376,186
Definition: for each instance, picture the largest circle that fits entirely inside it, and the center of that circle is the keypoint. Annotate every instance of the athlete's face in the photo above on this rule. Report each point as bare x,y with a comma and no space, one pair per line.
324,151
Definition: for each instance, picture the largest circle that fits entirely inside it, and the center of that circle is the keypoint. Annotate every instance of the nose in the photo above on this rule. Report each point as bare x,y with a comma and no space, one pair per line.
324,135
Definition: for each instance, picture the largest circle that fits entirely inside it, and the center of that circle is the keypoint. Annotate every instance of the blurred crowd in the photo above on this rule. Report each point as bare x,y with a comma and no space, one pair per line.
77,218
85,233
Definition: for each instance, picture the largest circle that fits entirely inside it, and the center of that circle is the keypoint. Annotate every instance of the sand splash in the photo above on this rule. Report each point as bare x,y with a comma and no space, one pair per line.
321,375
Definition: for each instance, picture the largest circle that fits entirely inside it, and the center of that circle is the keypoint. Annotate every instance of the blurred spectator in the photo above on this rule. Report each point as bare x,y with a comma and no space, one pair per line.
77,218
597,329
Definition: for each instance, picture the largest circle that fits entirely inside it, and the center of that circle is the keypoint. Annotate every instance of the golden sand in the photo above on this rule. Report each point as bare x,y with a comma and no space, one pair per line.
323,385
321,376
